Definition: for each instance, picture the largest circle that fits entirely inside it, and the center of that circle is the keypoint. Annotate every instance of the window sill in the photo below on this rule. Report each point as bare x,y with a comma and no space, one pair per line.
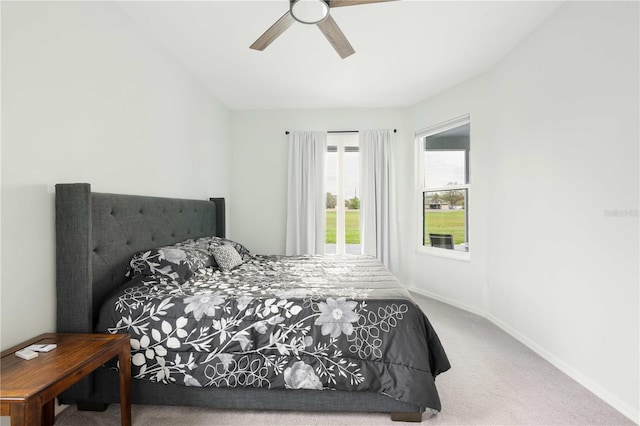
450,254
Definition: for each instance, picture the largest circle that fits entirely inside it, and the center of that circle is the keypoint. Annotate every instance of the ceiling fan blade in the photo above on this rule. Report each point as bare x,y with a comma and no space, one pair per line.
336,37
340,3
273,32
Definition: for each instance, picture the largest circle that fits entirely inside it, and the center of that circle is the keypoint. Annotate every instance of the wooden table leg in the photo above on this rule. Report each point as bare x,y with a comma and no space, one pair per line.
49,413
28,413
125,384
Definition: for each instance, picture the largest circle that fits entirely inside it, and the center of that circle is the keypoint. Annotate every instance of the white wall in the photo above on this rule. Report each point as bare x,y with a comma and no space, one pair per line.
555,150
87,98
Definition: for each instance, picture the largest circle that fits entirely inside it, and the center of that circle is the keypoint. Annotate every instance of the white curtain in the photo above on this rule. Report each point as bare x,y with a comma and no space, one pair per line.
378,226
306,196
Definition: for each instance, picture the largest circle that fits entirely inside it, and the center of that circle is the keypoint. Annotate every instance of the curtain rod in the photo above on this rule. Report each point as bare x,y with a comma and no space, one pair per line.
342,131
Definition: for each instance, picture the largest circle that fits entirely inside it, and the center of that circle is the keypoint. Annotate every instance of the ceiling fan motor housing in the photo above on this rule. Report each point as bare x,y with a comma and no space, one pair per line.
309,11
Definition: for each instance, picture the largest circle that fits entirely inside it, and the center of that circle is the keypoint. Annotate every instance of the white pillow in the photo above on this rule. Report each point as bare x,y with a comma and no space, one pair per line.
227,257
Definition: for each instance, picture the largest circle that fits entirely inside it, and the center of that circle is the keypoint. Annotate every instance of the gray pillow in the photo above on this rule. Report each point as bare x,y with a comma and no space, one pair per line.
227,257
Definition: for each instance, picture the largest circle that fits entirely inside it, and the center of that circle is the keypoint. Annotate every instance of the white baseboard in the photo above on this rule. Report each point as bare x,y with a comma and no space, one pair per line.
448,301
58,408
589,384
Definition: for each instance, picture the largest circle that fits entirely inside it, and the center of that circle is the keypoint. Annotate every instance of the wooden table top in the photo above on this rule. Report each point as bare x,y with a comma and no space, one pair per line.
21,379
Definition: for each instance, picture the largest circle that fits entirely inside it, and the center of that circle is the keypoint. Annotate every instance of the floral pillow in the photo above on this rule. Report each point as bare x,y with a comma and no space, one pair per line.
227,257
177,262
211,243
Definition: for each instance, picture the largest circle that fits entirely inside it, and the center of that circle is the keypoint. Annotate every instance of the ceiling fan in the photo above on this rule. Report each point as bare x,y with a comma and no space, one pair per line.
313,12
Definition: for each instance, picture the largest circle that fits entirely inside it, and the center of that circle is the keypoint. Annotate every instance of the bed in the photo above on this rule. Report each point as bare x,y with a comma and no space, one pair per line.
268,333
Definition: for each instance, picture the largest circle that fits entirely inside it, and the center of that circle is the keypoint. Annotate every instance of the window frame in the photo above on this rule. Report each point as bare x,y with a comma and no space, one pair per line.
421,187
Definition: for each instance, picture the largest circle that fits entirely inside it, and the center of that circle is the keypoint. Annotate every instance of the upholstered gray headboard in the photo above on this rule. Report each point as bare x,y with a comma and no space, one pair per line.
96,235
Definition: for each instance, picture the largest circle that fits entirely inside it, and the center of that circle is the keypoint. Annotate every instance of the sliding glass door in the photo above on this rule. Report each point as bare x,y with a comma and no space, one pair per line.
343,188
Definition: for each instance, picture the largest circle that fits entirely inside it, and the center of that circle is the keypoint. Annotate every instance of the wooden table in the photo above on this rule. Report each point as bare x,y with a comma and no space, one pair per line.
28,388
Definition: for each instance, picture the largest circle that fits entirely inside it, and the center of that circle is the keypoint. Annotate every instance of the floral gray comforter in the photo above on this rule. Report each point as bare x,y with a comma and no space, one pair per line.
303,322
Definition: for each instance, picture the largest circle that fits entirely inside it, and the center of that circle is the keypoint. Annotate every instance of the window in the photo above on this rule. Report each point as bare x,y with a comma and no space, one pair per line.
444,185
343,187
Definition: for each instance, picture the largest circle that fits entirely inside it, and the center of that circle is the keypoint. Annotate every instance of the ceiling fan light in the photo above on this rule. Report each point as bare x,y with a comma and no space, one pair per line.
309,11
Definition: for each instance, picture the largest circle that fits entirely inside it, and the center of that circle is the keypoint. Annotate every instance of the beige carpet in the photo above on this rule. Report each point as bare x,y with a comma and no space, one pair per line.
494,380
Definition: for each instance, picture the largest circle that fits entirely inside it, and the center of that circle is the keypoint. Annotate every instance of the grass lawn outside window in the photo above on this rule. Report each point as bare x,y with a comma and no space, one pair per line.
445,222
351,228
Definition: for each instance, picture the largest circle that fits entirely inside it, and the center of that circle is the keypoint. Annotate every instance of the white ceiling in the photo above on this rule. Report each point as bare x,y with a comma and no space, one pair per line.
406,50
